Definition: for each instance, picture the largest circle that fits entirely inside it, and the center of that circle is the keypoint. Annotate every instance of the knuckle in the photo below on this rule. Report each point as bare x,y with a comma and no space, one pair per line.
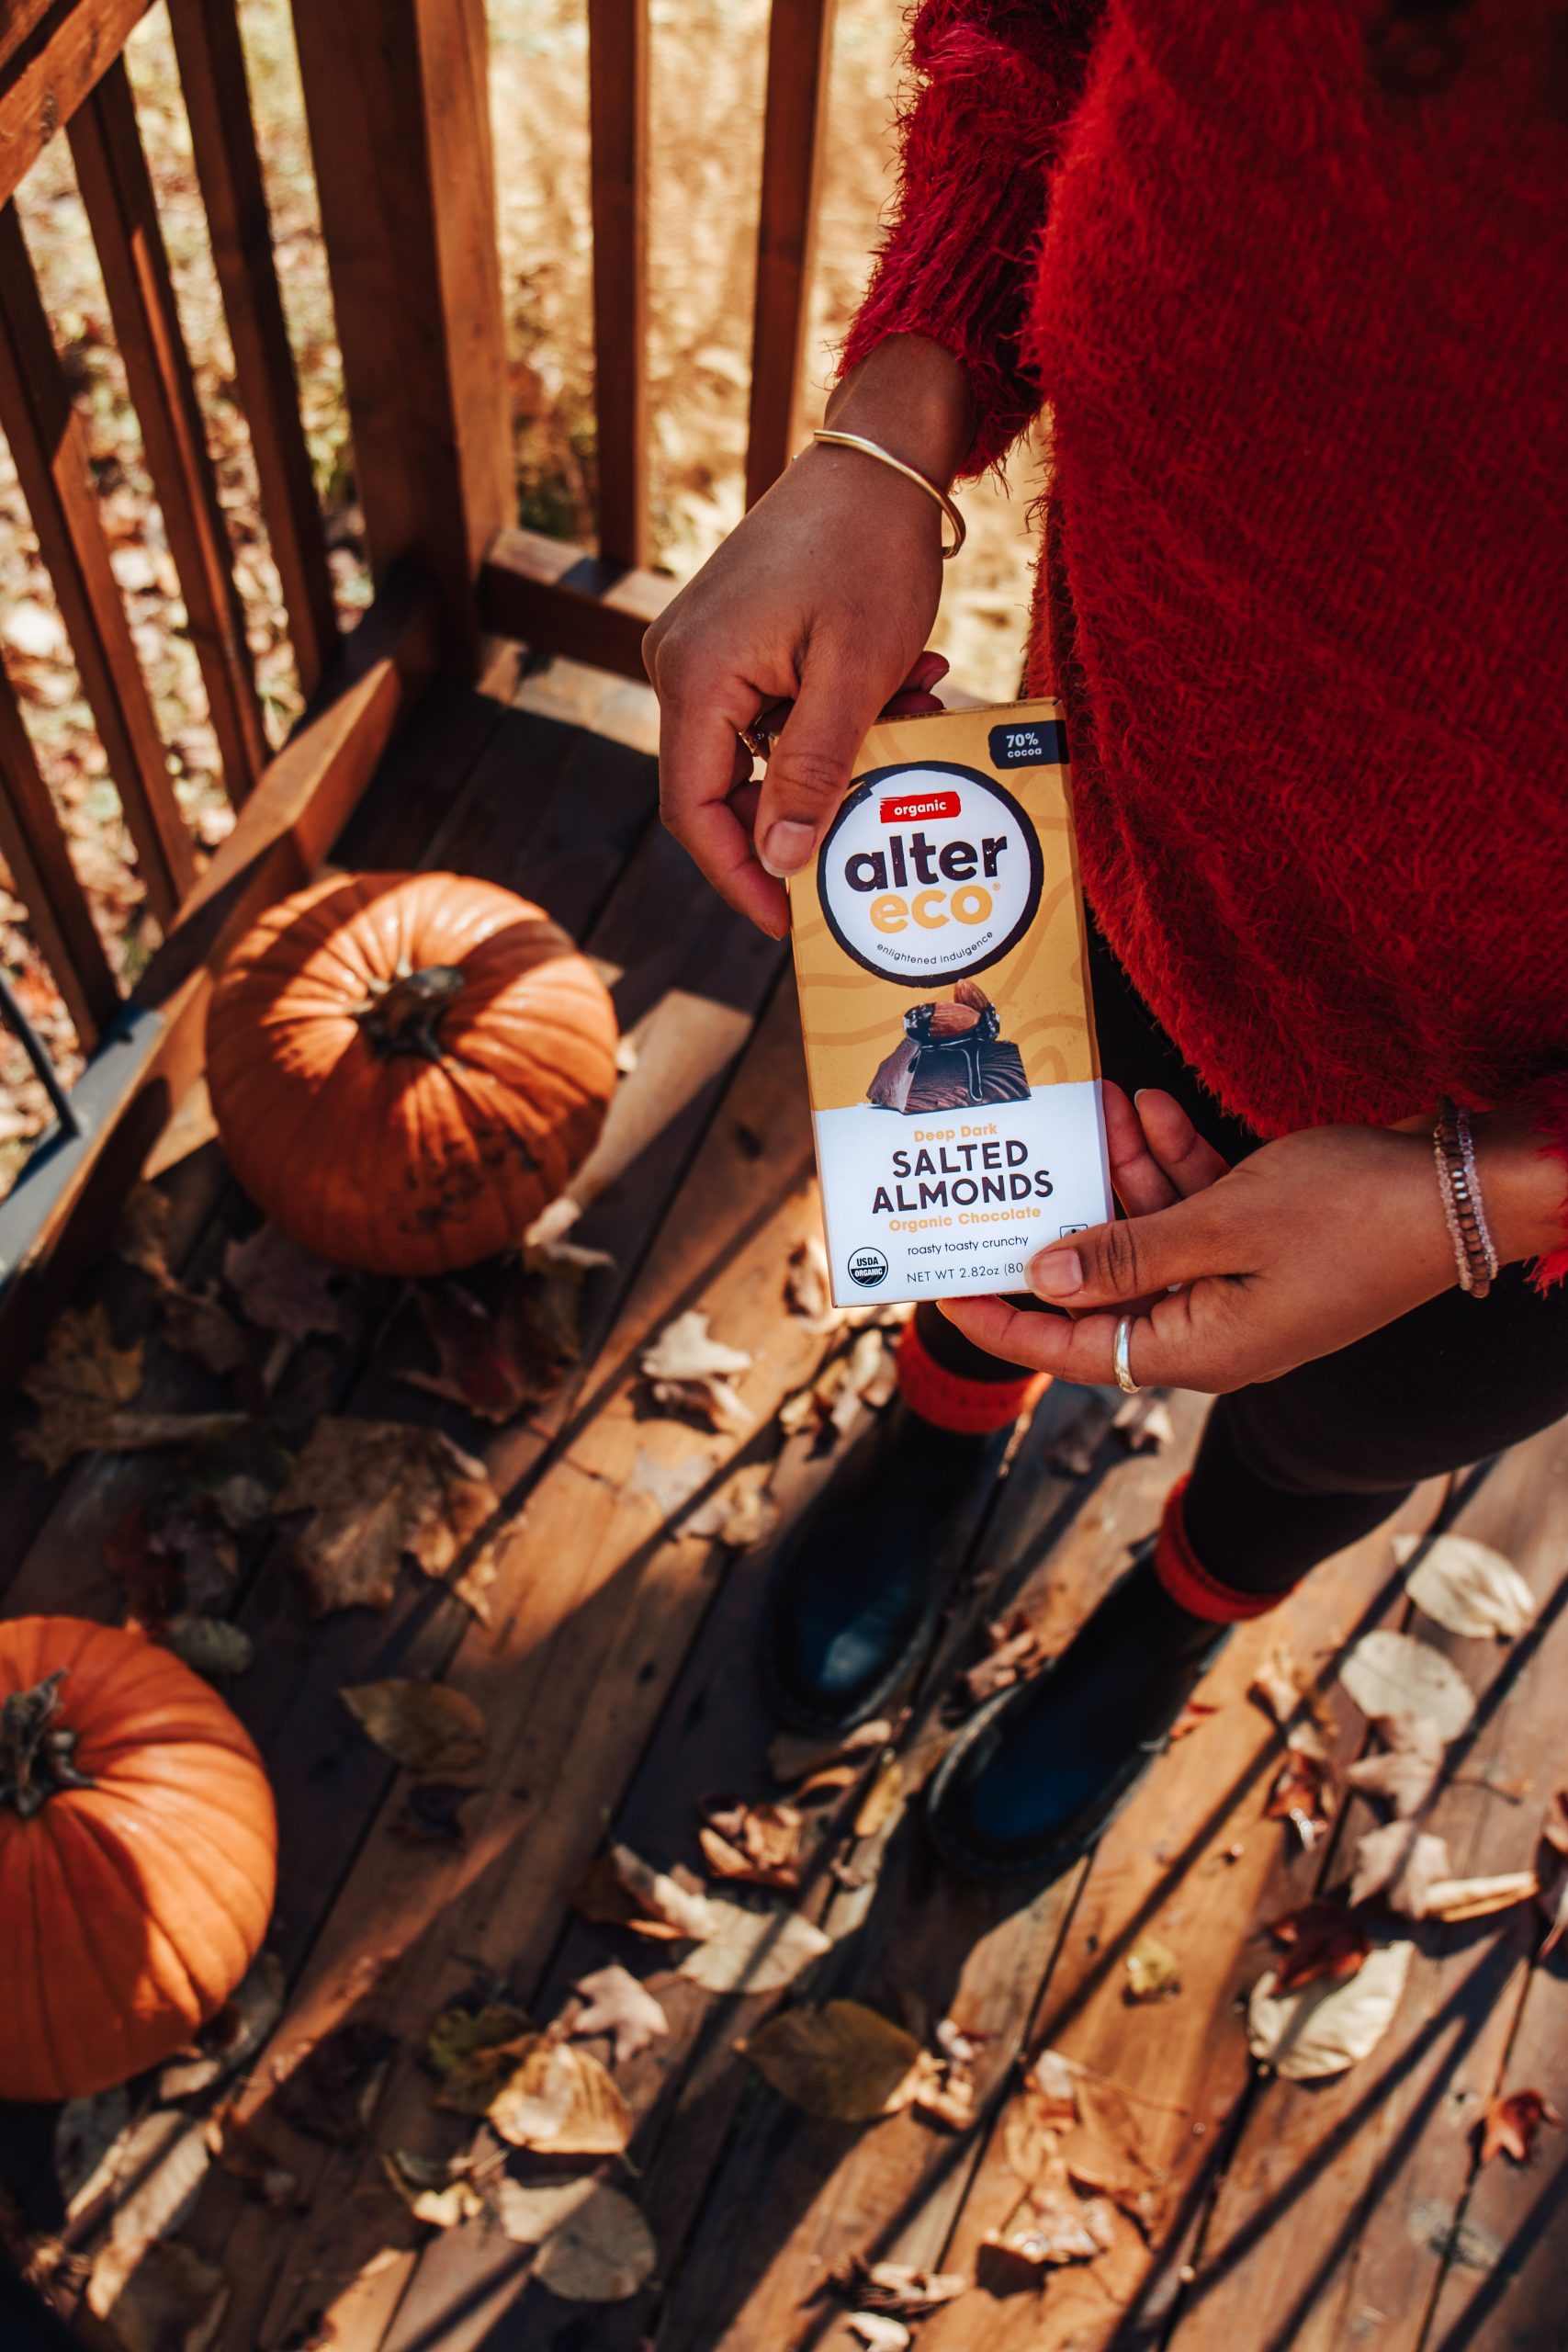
1121,1258
807,773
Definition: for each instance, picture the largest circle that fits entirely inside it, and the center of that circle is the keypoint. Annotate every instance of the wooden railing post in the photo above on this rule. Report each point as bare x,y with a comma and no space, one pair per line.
398,107
618,122
800,35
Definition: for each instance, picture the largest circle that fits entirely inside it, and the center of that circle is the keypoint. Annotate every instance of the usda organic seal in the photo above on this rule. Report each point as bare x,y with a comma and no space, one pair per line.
867,1267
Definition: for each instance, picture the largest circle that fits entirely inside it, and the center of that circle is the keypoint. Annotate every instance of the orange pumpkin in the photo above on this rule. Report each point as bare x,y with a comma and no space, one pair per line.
405,1068
138,1855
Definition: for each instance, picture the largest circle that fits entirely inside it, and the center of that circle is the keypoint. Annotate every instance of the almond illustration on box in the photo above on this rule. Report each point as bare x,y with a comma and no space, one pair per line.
951,1058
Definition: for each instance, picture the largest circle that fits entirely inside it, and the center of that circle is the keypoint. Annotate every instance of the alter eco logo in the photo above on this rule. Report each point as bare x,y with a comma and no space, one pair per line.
929,873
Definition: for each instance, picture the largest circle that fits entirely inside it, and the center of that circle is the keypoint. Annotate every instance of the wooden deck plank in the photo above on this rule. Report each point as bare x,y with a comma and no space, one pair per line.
1341,2197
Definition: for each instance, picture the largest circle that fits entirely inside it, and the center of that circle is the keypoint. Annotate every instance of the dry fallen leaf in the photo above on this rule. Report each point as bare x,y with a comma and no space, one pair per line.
141,1233
1400,1862
1153,1972
883,1798
593,2244
758,1843
1301,1795
617,2005
560,2099
798,1755
620,1890
80,1384
1466,1585
211,1646
239,1472
283,1288
424,1725
1193,1716
898,2288
1054,2225
1478,1898
1408,1771
837,2059
198,1323
1288,1692
750,1949
434,2191
878,2330
713,1402
742,1514
1553,1870
375,1491
495,1356
1512,2122
157,2296
475,2052
1319,1940
806,1289
684,1351
1392,1674
1012,1652
1330,2025
1054,2080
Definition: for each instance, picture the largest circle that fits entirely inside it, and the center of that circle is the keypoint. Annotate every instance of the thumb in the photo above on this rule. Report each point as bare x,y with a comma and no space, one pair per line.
1137,1258
814,758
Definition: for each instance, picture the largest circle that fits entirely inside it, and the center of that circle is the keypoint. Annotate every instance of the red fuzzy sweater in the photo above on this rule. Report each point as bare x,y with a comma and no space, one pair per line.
1305,336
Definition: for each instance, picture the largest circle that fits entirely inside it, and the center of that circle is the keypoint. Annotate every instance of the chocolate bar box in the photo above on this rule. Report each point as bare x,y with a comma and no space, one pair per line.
950,1050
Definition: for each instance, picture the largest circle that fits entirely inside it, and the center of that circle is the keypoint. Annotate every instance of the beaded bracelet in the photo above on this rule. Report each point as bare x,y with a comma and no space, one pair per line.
1453,1149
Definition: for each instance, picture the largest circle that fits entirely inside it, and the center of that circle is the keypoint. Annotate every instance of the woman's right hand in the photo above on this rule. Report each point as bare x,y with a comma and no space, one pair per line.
822,597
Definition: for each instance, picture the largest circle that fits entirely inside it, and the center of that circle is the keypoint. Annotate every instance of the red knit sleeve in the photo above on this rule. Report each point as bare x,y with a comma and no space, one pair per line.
998,80
1550,1102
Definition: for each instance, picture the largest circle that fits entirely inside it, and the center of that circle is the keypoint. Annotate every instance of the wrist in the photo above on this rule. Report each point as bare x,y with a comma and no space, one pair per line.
1522,1184
912,397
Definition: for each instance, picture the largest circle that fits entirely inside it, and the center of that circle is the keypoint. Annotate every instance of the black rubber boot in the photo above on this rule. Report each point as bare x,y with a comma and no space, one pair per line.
1031,1781
858,1593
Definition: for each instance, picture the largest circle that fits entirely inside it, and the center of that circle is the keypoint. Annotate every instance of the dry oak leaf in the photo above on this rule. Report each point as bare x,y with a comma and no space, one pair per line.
80,1384
1319,1940
434,2190
1512,2124
562,2100
375,1491
1153,1972
837,2059
622,2007
618,1889
157,2295
1408,1769
1330,2025
1400,1862
1394,1674
759,1843
283,1288
754,1950
426,1726
593,2244
1464,1586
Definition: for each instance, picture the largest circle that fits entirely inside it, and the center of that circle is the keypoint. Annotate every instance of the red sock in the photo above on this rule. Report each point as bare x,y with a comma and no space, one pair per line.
1188,1581
970,1408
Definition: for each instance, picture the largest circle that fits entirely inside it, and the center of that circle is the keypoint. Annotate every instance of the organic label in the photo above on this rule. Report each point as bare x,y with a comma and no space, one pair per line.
929,873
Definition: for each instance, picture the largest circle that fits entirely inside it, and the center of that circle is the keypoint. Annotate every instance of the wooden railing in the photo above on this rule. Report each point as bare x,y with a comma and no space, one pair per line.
397,106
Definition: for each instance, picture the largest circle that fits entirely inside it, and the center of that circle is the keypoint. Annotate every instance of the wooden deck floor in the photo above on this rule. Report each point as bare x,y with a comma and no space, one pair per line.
614,1672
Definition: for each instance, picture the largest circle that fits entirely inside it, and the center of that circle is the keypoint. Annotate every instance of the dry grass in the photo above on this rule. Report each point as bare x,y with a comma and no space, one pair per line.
707,76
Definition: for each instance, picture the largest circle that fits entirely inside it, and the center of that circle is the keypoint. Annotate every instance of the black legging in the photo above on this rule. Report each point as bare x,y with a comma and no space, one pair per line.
1296,1468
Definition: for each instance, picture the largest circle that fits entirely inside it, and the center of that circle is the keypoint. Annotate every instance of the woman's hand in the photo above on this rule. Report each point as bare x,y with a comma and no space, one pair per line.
822,598
1307,1245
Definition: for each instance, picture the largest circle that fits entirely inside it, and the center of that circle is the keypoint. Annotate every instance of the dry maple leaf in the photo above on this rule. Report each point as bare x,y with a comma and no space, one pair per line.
198,1323
283,1288
80,1385
1408,1771
1512,2122
1319,1940
622,2007
375,1491
427,1727
759,1843
618,1889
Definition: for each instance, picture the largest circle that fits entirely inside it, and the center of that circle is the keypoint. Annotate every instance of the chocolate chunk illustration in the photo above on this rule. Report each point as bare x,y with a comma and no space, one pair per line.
951,1058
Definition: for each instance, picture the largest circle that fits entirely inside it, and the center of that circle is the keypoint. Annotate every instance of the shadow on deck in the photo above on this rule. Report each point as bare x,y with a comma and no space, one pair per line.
613,1665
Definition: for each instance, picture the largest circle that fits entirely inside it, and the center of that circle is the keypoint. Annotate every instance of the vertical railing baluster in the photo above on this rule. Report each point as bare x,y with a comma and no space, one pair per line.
618,108
34,848
799,47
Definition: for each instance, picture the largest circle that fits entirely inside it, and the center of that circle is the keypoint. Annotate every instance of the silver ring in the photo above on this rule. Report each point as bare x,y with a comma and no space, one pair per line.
1121,1358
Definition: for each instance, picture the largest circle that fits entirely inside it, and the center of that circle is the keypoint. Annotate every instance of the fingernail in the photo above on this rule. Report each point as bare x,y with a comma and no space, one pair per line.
784,847
1056,1273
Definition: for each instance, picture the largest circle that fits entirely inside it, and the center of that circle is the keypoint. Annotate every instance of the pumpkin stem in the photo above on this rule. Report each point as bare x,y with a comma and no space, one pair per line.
35,1751
402,1018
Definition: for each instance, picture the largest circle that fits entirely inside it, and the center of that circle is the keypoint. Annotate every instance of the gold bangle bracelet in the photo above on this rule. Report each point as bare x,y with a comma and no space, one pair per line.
886,458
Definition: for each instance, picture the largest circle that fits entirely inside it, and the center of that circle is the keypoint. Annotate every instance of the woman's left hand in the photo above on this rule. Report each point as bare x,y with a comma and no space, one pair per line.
1310,1243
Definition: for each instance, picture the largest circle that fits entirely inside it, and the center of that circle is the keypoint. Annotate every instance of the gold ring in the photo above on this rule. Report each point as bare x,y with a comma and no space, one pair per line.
757,740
